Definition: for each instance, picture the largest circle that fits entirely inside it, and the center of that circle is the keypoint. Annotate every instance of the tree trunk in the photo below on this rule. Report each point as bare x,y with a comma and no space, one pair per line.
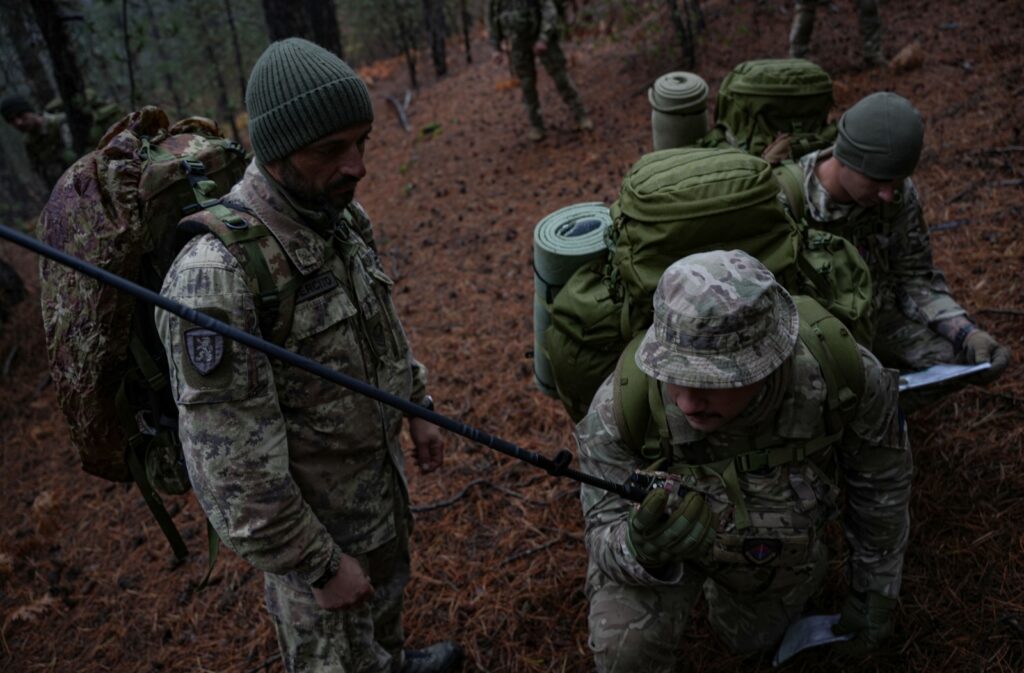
23,31
433,19
129,57
682,30
467,23
238,50
323,19
283,21
69,78
165,60
406,41
224,110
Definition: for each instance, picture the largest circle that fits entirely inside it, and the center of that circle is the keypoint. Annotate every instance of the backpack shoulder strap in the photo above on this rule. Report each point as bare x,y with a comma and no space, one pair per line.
638,408
251,242
791,181
838,355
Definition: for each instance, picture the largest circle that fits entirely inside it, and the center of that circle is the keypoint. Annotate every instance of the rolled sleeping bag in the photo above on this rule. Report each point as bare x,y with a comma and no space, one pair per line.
679,103
563,241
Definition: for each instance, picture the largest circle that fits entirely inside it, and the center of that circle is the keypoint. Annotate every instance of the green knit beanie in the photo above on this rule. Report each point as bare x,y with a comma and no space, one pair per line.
881,136
299,92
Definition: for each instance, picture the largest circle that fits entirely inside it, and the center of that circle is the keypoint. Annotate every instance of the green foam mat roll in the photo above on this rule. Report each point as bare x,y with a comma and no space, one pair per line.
562,242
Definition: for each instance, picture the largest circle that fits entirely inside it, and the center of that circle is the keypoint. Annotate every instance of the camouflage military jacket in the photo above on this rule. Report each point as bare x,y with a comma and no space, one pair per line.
49,148
291,469
788,505
893,240
525,19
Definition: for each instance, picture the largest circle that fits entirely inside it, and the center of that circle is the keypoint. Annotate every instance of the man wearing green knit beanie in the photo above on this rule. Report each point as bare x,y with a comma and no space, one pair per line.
861,189
303,479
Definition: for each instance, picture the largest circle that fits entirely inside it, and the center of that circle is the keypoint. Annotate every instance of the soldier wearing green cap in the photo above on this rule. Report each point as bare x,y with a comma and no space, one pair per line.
531,28
870,30
302,478
740,410
861,189
47,137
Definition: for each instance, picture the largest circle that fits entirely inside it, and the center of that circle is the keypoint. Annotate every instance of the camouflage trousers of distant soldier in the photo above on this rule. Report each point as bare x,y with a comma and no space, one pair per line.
640,628
908,345
364,639
870,29
522,57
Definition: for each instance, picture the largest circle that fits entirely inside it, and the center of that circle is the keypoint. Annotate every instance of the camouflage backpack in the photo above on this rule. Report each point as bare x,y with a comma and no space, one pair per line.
118,207
674,203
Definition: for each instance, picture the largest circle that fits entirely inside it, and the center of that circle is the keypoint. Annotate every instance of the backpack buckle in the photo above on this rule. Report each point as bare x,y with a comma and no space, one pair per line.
193,167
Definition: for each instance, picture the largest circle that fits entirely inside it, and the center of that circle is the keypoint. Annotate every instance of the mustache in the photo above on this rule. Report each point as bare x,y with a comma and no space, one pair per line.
342,183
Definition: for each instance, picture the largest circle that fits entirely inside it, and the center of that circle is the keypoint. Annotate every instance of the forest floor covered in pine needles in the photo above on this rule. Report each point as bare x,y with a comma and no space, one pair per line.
85,579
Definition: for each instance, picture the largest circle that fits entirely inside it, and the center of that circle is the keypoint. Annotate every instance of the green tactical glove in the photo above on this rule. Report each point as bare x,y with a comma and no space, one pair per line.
979,346
686,533
870,617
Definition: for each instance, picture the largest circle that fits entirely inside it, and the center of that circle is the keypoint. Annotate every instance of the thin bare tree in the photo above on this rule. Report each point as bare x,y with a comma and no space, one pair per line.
23,31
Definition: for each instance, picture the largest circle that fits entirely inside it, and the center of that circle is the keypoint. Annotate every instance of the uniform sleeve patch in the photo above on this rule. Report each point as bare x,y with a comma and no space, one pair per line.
205,349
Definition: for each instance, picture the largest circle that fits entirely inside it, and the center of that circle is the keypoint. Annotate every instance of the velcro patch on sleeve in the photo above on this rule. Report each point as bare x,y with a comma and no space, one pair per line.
210,367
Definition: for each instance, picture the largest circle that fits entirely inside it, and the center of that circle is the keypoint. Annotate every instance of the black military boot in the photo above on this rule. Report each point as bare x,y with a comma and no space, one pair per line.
443,657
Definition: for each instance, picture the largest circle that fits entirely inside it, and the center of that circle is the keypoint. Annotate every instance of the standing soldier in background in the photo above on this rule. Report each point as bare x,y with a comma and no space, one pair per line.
870,30
302,478
531,27
750,424
47,138
861,189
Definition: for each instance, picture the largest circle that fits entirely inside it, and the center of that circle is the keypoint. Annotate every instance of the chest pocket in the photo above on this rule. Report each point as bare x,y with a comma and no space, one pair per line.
373,291
324,329
788,507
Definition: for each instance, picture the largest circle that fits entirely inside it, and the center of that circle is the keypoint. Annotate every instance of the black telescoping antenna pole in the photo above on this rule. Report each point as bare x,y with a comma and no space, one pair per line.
557,467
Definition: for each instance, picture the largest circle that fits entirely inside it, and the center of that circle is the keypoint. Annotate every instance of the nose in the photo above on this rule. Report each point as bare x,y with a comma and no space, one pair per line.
352,164
690,400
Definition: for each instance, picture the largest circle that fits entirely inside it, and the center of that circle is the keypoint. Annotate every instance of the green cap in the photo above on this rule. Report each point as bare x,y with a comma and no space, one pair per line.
881,136
720,321
299,92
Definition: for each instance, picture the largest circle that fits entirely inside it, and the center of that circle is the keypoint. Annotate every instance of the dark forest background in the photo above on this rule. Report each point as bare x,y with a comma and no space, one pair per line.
192,57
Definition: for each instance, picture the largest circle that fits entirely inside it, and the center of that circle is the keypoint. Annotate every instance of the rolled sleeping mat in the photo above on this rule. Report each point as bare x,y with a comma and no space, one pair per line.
563,241
679,103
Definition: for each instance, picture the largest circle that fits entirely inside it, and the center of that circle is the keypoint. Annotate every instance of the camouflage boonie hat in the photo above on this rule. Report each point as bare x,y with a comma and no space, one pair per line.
720,321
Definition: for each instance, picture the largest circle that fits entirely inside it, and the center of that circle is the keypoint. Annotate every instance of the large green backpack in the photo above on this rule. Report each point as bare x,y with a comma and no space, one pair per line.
782,103
118,208
675,203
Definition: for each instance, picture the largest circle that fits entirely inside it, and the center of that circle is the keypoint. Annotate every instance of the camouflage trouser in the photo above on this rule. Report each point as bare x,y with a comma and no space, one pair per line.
522,59
907,345
640,628
365,639
803,24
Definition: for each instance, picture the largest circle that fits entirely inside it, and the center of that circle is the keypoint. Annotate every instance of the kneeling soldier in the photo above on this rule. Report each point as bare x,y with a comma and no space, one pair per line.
760,405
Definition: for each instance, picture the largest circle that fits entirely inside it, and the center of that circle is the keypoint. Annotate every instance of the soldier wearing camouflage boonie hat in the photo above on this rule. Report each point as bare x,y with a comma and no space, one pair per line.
746,527
720,321
861,190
